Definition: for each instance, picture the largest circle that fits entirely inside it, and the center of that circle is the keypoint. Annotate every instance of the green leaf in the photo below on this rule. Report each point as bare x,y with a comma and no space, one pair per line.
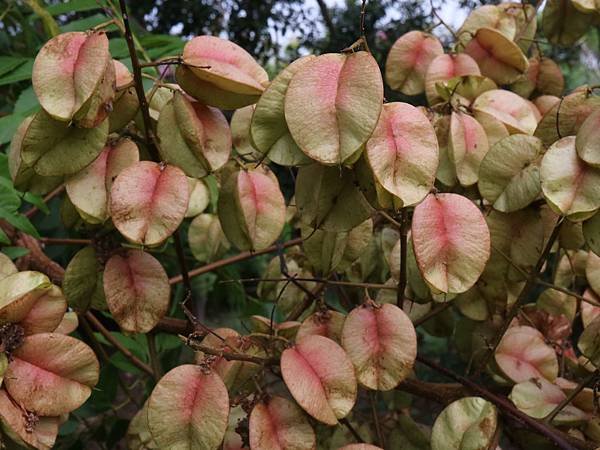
37,201
166,50
15,252
118,48
4,172
4,238
8,126
10,63
165,342
9,198
19,221
73,6
87,23
27,103
23,72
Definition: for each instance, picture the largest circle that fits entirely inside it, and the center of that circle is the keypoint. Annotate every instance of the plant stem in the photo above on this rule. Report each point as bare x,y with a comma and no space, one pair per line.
154,357
569,398
232,260
33,210
139,86
320,280
402,281
308,300
380,436
529,286
99,350
434,312
229,356
183,267
450,30
65,241
120,347
545,283
354,433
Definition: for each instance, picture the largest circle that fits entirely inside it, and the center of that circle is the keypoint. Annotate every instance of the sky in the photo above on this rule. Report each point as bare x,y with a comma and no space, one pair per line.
448,10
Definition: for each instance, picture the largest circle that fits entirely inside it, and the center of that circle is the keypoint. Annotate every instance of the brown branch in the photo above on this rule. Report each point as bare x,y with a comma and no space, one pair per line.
437,16
139,86
567,291
64,241
442,393
506,407
120,347
327,18
319,280
402,281
99,350
33,211
154,357
580,387
380,436
229,356
36,259
434,312
352,430
308,300
545,283
232,260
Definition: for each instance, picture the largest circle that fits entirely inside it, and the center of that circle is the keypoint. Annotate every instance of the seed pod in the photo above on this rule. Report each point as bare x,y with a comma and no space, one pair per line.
220,73
68,71
193,136
251,209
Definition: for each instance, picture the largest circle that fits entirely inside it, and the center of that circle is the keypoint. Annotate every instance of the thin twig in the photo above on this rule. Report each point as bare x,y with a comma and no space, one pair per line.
154,357
318,280
99,350
183,268
567,291
402,281
437,16
546,283
529,286
232,260
431,314
33,211
354,433
308,300
380,436
326,18
229,356
569,398
120,347
64,241
139,86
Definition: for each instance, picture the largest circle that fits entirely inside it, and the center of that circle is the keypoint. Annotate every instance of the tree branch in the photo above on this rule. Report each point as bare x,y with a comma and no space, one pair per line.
326,18
120,347
402,281
232,259
139,86
580,387
33,211
64,241
442,393
229,356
